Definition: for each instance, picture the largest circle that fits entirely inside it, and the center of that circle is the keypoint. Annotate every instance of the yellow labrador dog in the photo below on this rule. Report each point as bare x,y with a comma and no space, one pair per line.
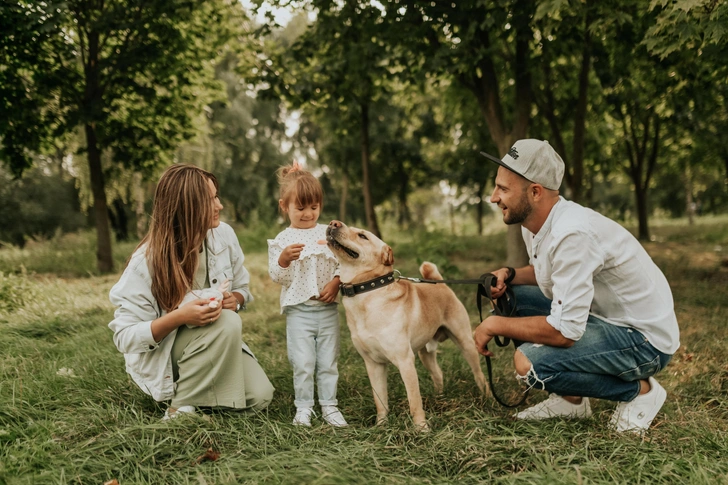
391,319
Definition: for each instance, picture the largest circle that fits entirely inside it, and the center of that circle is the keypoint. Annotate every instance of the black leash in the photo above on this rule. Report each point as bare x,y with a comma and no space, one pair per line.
505,306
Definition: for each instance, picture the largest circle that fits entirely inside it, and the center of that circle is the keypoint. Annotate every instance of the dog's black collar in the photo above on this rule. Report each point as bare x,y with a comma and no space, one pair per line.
353,289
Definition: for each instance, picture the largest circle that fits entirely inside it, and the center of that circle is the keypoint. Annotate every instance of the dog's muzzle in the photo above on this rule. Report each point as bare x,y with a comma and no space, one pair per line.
331,238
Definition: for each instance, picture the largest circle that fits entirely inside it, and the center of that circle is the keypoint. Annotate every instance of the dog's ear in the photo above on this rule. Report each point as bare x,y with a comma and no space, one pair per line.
387,256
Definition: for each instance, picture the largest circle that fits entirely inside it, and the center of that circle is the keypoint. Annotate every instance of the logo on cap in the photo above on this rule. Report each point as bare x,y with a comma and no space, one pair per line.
513,152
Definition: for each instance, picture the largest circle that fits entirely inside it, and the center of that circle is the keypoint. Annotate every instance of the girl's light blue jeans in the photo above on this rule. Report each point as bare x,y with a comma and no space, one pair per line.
607,362
312,335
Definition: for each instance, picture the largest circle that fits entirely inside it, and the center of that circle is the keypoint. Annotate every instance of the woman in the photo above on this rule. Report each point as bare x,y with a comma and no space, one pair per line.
190,354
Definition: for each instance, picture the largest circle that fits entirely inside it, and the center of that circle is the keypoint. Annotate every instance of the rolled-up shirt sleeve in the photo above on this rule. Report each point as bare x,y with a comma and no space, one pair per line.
136,309
575,260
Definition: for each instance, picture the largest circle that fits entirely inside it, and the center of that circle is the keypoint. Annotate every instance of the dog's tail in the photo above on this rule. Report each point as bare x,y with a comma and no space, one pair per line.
429,271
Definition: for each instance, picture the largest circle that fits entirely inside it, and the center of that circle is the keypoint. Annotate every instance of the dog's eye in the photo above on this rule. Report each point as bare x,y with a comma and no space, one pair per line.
363,237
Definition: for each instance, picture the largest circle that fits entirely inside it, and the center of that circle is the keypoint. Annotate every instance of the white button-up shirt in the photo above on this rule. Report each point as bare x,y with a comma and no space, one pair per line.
304,278
587,263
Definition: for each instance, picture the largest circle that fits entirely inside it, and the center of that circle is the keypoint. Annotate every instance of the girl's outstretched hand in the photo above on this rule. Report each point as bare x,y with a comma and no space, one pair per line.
289,254
328,294
199,313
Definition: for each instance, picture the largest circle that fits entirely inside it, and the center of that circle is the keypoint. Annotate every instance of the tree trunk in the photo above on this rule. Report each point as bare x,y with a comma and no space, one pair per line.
119,220
344,196
104,259
574,163
368,203
92,103
403,218
487,92
641,199
690,207
577,158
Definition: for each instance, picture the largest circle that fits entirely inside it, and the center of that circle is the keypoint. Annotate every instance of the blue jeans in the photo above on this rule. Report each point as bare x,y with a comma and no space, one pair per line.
312,335
607,362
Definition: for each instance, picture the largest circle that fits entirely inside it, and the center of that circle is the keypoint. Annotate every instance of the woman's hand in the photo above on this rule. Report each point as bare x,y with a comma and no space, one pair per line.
230,301
289,254
199,313
328,294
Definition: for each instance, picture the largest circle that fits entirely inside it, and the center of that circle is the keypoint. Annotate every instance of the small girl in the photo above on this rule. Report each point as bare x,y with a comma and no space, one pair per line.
301,262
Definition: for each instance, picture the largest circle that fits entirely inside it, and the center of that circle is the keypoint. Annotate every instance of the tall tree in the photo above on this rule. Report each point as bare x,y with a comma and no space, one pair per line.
570,39
339,60
132,74
694,34
639,91
487,47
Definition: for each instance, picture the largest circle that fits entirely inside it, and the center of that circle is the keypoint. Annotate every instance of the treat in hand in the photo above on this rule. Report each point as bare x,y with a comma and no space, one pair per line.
322,241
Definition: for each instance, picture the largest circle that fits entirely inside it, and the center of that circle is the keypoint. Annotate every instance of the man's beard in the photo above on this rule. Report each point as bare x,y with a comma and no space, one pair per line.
519,213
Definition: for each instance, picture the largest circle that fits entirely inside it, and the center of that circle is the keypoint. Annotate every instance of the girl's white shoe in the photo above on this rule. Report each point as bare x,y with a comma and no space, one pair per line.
333,416
303,417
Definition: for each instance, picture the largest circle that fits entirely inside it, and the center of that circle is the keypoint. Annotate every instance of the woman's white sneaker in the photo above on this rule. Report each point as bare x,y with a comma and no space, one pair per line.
172,413
637,415
333,416
303,417
556,406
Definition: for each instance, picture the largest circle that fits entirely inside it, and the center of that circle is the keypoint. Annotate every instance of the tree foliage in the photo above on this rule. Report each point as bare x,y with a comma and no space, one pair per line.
132,74
388,96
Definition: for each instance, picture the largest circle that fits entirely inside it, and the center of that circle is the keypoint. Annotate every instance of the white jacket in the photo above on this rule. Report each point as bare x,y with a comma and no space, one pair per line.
150,363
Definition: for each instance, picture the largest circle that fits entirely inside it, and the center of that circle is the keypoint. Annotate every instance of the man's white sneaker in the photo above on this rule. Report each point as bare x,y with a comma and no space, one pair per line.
333,416
171,413
556,406
303,417
637,414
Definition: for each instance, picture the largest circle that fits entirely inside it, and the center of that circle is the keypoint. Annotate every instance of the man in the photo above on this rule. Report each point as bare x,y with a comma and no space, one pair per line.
601,321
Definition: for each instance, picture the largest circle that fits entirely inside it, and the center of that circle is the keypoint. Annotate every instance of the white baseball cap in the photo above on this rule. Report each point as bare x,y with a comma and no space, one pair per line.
534,160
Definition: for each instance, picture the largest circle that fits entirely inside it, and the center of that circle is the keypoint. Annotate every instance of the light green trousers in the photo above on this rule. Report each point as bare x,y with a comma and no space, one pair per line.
211,369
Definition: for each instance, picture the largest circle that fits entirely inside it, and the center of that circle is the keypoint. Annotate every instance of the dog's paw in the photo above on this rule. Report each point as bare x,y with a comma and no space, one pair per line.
422,427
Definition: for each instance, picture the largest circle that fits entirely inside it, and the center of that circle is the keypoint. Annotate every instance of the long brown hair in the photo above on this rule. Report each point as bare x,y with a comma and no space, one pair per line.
299,186
181,216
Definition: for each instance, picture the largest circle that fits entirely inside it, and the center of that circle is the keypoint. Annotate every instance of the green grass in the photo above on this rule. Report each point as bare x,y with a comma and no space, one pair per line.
70,414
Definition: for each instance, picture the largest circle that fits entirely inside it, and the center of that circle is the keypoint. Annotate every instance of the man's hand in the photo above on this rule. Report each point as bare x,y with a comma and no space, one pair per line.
482,337
328,294
289,254
500,286
199,313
